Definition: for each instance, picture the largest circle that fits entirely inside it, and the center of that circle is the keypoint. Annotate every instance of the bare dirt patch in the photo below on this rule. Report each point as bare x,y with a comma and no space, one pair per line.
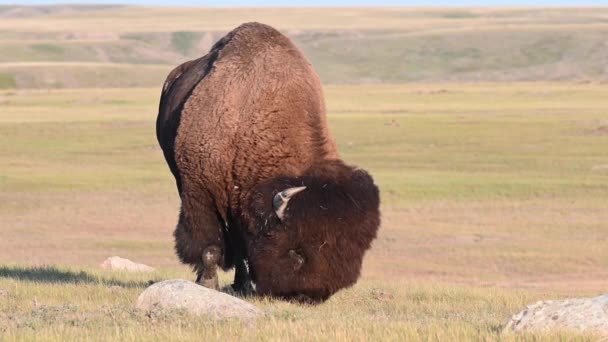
601,130
524,244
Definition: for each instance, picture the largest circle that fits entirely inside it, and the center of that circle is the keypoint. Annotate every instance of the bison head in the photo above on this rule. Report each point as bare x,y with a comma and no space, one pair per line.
308,234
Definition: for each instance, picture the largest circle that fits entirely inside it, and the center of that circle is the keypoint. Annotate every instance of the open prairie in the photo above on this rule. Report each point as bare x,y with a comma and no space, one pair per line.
494,194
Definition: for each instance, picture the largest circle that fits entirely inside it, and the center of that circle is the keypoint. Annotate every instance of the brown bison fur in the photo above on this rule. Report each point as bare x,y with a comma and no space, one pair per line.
318,246
249,111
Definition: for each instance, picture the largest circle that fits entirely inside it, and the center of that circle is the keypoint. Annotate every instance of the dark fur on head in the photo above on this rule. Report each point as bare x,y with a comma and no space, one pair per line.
318,246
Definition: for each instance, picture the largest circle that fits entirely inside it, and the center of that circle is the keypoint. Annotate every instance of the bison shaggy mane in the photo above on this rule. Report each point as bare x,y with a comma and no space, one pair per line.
317,247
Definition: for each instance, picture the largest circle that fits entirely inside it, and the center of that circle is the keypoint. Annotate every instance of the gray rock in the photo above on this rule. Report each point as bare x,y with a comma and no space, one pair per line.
577,314
195,299
115,289
121,264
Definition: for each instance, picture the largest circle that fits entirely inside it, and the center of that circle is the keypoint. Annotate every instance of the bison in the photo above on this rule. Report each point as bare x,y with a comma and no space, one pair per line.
262,187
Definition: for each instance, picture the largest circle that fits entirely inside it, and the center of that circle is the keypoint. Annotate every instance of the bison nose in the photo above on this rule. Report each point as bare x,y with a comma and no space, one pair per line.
298,259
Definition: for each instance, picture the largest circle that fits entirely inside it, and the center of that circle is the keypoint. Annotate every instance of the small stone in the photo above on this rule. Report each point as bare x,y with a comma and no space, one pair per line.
3,293
115,288
121,264
381,295
195,299
579,314
599,167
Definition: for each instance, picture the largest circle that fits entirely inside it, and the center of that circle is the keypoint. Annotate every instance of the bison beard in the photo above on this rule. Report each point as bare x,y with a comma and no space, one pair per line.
244,132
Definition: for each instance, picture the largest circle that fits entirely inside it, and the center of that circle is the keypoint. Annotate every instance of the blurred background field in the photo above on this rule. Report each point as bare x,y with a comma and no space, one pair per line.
125,46
486,130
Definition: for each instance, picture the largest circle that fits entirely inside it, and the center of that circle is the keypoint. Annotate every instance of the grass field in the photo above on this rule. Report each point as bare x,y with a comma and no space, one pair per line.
494,193
494,196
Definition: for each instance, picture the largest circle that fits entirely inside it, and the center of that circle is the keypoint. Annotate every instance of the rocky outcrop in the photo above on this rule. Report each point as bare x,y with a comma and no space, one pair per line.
577,314
195,299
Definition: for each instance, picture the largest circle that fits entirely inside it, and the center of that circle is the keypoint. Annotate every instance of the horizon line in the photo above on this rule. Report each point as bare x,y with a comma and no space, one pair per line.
126,4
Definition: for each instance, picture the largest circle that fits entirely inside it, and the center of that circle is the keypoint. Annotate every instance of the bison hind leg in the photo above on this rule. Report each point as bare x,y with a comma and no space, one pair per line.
207,270
200,250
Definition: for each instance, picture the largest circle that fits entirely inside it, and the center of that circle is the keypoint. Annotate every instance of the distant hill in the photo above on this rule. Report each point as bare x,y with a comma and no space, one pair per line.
14,11
117,46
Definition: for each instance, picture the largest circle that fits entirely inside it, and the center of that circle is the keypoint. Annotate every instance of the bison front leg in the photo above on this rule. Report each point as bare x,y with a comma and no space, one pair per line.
242,278
199,239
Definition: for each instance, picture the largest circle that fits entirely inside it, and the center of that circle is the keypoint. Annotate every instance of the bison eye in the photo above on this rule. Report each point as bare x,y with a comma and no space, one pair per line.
297,258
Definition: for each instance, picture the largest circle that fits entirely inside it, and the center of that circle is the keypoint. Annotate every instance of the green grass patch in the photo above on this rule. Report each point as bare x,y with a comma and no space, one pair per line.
7,81
50,49
184,41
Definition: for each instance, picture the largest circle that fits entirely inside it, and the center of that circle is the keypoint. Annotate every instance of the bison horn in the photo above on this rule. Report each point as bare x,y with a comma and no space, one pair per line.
281,199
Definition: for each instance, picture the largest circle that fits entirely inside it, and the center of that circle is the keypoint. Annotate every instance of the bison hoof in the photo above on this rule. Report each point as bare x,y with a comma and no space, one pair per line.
210,283
245,289
297,258
304,299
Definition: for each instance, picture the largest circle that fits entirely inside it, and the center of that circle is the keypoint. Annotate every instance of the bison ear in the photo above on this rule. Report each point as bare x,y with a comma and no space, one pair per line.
280,200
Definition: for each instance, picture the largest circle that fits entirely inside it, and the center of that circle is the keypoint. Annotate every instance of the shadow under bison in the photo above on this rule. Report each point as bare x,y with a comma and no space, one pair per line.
54,275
